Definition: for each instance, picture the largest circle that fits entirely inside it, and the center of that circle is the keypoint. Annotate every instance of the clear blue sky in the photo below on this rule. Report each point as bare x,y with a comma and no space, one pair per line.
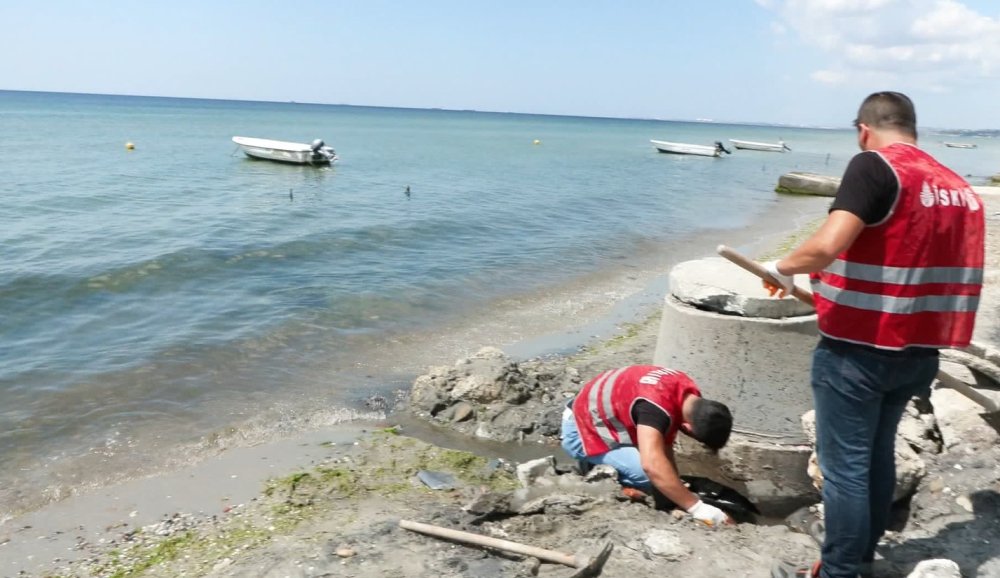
780,61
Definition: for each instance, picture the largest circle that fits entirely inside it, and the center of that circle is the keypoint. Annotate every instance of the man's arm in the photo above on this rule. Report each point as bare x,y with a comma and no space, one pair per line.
836,234
657,460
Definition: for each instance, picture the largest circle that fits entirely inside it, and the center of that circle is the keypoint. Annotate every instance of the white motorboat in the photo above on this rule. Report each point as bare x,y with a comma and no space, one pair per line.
960,145
778,147
679,148
316,153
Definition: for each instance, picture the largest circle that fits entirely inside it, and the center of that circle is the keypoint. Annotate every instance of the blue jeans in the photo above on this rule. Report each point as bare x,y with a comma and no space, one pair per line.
625,459
860,395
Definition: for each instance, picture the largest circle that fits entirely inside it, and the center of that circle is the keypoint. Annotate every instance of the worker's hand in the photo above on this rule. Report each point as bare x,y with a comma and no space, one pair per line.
709,515
786,282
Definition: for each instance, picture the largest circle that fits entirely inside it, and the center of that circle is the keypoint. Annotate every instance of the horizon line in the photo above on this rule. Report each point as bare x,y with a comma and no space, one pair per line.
442,109
698,120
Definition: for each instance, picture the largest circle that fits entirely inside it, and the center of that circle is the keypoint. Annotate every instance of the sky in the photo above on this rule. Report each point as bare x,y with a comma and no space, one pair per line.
796,62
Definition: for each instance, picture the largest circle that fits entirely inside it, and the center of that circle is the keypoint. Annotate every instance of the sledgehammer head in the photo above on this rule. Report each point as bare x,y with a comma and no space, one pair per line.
593,566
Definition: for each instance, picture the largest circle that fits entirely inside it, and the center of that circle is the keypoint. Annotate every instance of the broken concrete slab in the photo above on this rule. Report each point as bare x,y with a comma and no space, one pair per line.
714,284
797,183
772,476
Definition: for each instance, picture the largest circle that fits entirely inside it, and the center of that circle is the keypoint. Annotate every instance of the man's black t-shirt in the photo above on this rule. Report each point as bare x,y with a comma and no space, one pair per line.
868,189
648,413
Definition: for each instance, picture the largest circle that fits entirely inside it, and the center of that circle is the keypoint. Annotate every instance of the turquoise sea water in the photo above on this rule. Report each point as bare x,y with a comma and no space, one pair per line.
160,303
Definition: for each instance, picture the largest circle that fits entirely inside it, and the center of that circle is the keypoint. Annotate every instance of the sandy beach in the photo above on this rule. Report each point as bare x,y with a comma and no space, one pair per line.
328,503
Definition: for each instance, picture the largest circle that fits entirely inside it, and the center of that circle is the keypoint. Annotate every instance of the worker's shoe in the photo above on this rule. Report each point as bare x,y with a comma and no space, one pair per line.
786,570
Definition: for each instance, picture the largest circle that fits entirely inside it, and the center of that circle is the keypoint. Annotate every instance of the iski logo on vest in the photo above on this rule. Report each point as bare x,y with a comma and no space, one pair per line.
931,195
653,377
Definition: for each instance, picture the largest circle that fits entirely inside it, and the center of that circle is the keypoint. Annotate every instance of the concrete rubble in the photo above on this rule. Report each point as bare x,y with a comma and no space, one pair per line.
798,183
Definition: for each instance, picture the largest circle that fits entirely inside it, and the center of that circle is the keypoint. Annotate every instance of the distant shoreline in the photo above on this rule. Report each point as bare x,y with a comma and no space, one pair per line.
445,110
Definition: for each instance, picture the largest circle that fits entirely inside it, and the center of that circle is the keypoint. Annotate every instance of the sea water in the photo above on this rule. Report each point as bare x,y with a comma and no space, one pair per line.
167,300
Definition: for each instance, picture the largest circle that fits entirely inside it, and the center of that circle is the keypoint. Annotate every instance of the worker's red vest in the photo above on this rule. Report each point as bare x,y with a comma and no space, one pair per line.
914,278
603,408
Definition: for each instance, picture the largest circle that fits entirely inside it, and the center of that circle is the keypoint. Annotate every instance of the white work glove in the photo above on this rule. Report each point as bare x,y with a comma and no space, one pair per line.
708,514
786,282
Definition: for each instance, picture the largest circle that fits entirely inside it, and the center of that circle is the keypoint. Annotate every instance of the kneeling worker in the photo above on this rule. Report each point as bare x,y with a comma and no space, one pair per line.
628,418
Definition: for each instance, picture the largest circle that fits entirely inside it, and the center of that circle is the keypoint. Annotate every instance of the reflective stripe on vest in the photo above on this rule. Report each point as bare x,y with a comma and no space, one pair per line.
889,304
906,275
605,387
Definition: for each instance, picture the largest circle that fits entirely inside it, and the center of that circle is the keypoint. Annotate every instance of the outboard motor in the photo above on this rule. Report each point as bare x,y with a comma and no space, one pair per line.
321,152
722,149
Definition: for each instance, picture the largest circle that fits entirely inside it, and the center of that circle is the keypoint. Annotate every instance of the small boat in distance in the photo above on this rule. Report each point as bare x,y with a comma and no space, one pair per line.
960,145
778,147
679,148
316,153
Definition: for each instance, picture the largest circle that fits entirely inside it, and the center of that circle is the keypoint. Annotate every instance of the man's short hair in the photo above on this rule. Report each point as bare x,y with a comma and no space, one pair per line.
711,423
888,110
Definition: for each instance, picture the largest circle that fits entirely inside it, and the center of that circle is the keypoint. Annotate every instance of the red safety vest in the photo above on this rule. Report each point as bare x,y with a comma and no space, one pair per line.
913,279
603,408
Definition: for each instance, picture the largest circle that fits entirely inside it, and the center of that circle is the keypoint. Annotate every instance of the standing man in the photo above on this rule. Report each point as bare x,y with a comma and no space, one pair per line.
628,418
896,271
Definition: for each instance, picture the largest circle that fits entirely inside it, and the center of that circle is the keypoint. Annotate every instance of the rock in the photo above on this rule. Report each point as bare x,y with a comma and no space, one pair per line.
377,402
807,520
345,552
491,397
557,504
665,544
601,472
462,411
939,568
430,391
529,472
490,503
910,468
478,388
529,566
919,430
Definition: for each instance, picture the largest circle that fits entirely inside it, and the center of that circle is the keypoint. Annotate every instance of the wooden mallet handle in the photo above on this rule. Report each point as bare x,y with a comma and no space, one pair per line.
759,270
491,542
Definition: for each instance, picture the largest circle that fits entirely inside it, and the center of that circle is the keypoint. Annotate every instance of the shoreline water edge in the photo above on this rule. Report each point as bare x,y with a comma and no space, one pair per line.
287,507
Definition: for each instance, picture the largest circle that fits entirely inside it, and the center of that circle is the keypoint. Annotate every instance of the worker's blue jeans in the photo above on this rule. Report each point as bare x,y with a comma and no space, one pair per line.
625,459
860,395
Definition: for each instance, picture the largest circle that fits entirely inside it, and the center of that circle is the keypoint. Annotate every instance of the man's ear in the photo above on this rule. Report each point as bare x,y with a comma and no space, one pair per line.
686,428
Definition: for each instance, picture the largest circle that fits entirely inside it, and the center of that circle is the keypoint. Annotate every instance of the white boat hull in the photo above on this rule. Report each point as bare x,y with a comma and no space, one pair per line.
679,148
960,145
778,147
284,151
